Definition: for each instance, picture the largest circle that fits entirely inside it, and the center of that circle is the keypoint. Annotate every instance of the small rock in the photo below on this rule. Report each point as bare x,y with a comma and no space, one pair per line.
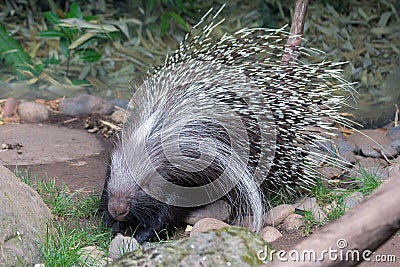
379,173
85,105
349,157
219,210
207,224
353,200
121,245
119,102
118,116
373,143
33,112
345,146
94,257
293,222
330,172
278,214
310,204
10,106
394,133
396,145
372,162
380,151
270,234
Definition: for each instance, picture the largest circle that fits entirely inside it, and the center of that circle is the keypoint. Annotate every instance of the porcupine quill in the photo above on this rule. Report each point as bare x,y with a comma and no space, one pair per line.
220,119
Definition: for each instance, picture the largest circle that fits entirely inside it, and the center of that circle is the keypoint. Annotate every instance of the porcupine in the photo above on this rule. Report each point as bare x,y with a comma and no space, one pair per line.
220,119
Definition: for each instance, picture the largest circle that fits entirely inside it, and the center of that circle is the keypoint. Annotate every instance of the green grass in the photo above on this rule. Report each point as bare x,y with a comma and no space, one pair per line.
75,224
366,183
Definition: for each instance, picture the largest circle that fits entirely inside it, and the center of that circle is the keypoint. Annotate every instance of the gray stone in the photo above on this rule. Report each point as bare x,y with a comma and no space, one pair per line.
310,204
293,222
92,256
353,200
230,246
373,143
270,234
9,108
207,224
344,146
276,215
379,173
396,145
372,162
121,245
219,210
118,116
33,112
85,105
394,133
349,157
330,172
119,102
23,221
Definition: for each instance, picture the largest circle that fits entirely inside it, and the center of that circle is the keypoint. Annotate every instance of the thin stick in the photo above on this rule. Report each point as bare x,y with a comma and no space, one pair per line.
296,32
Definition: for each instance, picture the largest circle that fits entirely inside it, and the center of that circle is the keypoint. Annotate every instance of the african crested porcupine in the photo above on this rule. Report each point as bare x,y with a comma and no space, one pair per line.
220,119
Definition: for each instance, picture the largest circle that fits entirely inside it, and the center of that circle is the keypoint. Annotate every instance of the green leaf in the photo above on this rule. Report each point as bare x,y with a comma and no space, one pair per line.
89,55
52,18
37,69
178,19
13,54
74,11
164,24
51,34
149,6
64,44
180,5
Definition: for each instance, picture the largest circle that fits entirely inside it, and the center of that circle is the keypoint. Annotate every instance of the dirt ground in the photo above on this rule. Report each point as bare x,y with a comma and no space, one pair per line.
69,154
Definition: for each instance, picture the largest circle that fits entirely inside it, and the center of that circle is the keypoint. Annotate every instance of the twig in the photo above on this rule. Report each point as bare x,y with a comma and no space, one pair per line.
296,32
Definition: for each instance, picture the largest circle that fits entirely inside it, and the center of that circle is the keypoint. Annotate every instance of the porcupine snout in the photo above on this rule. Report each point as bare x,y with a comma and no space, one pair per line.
118,206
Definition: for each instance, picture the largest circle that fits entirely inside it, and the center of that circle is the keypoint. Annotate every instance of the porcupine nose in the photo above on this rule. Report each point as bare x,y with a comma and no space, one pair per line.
118,210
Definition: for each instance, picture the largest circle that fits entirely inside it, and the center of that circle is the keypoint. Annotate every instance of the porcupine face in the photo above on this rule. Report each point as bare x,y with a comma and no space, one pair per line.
126,208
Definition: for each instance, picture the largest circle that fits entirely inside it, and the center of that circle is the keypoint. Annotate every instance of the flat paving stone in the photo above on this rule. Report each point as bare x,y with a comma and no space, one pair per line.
43,144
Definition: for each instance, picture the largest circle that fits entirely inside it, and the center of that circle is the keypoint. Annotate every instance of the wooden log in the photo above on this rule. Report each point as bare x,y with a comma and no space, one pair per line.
357,233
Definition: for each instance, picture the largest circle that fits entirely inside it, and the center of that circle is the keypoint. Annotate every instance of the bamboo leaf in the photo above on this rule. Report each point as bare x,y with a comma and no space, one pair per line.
14,55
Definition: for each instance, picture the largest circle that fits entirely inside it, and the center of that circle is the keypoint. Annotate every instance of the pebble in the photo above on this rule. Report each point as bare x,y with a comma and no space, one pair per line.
276,215
118,116
207,224
359,172
293,222
396,145
10,106
219,210
270,234
353,200
345,146
121,245
119,102
349,157
394,133
330,172
92,256
85,105
33,112
310,204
